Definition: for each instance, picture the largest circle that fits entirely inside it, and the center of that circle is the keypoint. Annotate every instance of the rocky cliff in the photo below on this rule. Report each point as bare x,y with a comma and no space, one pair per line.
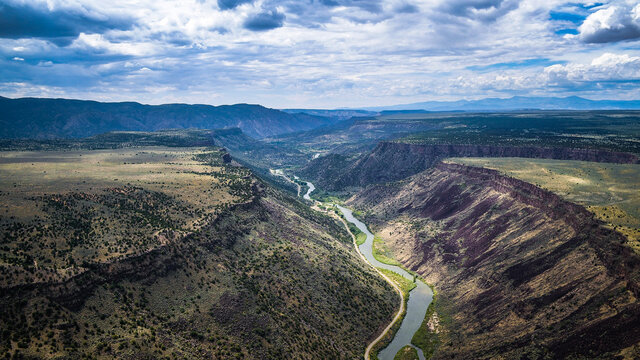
520,272
391,161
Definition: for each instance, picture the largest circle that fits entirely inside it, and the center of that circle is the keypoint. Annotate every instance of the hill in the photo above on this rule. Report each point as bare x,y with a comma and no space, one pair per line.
520,273
62,118
391,161
614,130
601,136
341,114
173,252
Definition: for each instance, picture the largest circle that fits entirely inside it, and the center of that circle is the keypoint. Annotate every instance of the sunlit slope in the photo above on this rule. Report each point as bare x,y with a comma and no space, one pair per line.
610,191
154,252
519,272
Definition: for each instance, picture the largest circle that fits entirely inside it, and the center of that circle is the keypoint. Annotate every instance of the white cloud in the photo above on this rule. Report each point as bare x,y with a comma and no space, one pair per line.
98,43
365,52
606,67
611,24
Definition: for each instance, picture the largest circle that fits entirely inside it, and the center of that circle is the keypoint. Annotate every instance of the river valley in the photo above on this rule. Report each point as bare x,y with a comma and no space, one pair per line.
419,298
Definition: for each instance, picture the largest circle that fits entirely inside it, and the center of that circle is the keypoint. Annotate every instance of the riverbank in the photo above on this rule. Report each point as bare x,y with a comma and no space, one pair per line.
417,302
414,300
403,299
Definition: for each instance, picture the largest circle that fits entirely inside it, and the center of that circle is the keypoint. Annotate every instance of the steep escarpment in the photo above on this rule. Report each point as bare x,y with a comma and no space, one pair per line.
391,161
267,278
520,272
254,152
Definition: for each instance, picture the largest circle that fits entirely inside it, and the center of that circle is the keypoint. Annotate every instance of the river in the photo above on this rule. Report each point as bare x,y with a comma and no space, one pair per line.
419,298
309,191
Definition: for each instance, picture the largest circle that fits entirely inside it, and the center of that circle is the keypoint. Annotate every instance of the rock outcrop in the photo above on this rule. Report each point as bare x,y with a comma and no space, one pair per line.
391,161
520,272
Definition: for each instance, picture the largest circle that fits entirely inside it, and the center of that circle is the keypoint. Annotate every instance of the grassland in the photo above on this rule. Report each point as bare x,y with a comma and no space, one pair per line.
361,238
606,130
155,252
404,284
382,252
610,191
63,210
426,338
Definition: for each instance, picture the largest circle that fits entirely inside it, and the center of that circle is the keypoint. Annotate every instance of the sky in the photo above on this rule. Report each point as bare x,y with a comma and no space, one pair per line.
318,53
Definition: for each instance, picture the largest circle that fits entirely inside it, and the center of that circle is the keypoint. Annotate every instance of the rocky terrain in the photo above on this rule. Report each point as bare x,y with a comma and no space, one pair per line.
182,244
520,273
391,161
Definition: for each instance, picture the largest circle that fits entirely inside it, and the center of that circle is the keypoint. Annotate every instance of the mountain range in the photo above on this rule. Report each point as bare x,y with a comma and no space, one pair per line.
62,118
516,103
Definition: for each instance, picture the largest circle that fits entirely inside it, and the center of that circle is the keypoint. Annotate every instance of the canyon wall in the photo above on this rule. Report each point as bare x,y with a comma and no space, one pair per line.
520,273
391,161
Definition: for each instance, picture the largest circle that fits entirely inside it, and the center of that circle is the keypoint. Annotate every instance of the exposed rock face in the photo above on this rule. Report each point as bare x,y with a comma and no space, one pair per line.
327,170
391,161
520,272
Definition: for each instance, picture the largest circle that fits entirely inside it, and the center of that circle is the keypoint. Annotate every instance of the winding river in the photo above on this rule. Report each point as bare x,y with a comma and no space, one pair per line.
309,191
419,298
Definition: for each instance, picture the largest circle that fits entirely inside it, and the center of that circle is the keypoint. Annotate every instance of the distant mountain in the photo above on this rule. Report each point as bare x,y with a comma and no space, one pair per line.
341,114
59,118
516,103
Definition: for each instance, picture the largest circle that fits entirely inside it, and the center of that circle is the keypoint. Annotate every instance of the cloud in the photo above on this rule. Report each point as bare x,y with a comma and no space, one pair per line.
513,65
612,24
606,75
406,8
232,4
373,6
20,20
328,53
264,20
480,10
318,13
608,67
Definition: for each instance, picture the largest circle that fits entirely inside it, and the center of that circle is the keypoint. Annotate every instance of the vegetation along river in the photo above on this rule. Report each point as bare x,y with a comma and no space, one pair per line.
419,298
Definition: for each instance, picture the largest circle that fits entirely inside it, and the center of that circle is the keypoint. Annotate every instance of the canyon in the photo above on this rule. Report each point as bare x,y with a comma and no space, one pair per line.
520,273
391,161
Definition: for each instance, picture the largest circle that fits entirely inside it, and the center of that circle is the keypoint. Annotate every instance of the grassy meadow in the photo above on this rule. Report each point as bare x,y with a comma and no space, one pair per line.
62,209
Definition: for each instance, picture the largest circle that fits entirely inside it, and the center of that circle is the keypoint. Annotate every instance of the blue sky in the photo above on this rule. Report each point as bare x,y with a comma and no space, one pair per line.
318,53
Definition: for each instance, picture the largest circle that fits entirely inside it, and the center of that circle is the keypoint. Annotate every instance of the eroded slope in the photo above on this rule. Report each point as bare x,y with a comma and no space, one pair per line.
223,268
392,161
520,272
